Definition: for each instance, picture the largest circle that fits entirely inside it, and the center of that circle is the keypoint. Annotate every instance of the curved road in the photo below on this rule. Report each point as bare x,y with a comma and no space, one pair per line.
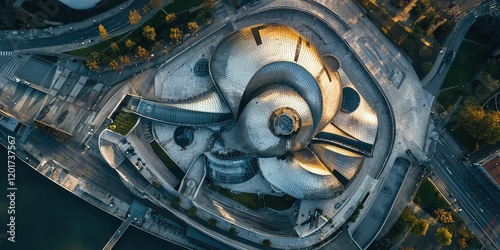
111,23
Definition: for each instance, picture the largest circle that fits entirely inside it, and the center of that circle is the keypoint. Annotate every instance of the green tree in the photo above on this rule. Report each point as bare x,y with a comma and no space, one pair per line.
176,201
266,243
149,33
192,212
193,27
212,221
232,231
129,44
103,33
175,35
134,17
443,236
114,47
170,18
409,219
426,67
420,228
425,51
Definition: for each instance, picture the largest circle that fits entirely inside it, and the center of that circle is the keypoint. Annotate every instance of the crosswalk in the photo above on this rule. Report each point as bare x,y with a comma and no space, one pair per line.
6,53
9,69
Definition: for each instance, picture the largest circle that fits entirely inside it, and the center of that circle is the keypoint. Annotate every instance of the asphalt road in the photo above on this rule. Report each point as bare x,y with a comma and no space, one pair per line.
466,185
111,24
452,43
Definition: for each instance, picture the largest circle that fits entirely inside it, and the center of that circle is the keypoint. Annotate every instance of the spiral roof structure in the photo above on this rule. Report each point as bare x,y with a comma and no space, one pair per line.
281,95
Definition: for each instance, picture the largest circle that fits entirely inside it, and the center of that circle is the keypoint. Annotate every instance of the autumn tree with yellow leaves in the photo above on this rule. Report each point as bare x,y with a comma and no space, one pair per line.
193,27
134,17
480,124
170,18
175,35
103,33
114,47
149,33
124,59
129,44
142,53
115,65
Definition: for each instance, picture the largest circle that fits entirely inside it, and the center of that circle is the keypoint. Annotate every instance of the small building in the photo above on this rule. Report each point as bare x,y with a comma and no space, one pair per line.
490,167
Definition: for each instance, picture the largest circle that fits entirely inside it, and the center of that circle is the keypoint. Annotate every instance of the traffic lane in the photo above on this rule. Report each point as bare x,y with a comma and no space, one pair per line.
111,24
463,172
467,200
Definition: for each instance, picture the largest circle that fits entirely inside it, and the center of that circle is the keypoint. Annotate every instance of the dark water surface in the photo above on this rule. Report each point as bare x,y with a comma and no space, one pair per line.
49,217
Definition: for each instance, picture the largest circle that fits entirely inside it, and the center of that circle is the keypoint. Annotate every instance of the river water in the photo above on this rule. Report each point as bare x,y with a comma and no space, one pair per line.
49,217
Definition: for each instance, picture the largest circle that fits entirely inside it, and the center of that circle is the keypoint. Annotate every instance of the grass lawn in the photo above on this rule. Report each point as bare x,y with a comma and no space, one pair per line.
253,201
167,160
468,60
429,198
279,203
246,199
464,138
449,97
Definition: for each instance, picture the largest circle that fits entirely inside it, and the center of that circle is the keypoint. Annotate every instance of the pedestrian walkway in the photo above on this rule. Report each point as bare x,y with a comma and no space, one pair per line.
136,213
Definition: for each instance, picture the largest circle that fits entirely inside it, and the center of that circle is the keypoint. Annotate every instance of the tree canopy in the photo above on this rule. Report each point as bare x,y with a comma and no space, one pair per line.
420,228
142,53
129,44
103,33
170,17
114,47
149,33
175,35
443,216
480,124
134,17
443,236
193,27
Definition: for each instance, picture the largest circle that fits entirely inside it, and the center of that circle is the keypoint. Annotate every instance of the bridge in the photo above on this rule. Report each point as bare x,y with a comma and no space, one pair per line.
136,213
119,232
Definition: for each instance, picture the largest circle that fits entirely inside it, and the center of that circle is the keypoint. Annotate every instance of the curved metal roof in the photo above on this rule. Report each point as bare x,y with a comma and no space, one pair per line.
289,175
253,125
361,123
207,110
239,57
337,159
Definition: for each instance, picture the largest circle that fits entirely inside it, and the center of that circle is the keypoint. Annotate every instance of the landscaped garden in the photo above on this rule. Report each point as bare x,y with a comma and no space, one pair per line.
254,201
437,225
473,78
155,37
123,123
